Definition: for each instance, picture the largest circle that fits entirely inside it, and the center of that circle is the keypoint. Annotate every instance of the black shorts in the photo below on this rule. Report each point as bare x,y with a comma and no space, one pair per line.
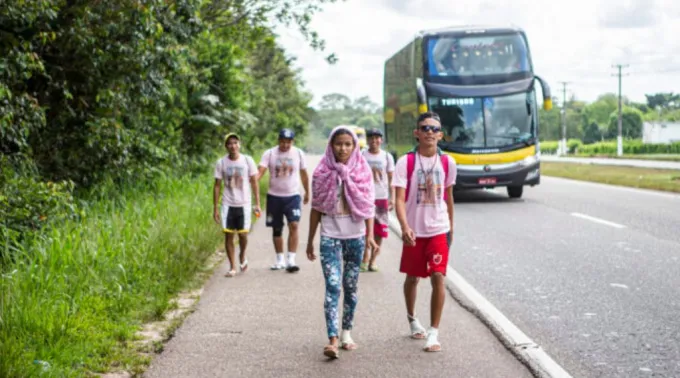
277,207
236,219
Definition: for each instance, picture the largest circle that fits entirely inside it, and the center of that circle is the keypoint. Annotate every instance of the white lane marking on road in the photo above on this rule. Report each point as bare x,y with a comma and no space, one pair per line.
622,286
598,220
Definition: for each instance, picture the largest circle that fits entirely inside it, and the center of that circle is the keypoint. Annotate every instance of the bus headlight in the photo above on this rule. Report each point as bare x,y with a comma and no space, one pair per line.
529,160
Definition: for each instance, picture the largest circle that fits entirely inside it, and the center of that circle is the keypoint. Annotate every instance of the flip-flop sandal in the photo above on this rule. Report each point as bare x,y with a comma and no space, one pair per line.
230,273
244,266
432,344
363,267
347,343
331,351
417,330
373,268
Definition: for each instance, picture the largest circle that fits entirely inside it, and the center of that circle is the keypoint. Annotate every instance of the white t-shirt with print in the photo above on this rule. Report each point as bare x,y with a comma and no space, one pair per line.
381,164
284,170
426,211
341,226
236,177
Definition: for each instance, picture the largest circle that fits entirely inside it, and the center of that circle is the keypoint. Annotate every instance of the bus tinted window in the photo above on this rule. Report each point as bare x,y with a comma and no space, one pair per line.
477,55
486,122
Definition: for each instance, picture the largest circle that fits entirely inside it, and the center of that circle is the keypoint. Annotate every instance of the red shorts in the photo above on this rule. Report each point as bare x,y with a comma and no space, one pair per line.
381,222
429,255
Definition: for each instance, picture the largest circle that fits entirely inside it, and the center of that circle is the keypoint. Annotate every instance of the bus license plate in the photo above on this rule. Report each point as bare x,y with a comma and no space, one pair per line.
487,180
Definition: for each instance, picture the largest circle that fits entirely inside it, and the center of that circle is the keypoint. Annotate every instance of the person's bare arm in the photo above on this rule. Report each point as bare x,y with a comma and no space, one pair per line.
407,233
314,220
255,186
449,206
216,200
305,184
260,172
392,191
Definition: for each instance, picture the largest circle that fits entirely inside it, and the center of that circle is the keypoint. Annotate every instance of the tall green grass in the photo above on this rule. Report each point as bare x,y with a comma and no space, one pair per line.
75,299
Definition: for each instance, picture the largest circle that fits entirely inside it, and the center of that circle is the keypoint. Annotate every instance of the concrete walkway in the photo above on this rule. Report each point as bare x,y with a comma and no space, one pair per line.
619,162
271,324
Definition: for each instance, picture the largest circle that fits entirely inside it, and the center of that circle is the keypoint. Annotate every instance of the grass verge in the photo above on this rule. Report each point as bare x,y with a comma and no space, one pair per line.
645,178
659,157
70,305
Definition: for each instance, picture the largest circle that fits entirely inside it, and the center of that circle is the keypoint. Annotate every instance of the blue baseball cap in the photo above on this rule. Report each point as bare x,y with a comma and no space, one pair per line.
287,134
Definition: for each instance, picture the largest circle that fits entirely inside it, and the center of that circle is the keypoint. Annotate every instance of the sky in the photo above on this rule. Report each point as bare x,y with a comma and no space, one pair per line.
576,41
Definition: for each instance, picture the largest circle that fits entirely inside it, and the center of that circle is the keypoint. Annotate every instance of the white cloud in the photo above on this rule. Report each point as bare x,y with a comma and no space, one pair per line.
575,40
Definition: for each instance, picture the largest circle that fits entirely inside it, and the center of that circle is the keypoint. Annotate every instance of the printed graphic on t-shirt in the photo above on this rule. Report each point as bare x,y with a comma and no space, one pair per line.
377,168
343,206
234,178
284,167
430,186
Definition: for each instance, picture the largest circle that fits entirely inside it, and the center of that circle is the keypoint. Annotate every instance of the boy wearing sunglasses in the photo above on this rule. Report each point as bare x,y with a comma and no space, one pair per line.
424,180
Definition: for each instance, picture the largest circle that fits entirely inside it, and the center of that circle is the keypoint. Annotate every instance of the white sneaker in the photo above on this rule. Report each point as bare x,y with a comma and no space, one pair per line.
277,266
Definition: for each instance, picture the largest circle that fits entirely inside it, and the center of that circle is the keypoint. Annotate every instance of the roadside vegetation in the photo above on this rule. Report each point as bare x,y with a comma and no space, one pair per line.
112,115
644,178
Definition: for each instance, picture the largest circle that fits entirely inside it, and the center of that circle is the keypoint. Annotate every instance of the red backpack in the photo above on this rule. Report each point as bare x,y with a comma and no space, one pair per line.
410,166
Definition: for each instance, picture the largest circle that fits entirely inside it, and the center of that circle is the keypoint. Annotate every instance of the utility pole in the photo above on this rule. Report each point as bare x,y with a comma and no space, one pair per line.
619,139
563,147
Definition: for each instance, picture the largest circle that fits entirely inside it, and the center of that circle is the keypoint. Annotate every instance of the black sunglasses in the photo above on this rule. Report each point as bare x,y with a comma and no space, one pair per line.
433,128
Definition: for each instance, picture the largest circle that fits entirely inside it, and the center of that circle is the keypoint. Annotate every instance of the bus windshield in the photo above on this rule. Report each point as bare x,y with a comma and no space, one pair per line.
477,54
486,122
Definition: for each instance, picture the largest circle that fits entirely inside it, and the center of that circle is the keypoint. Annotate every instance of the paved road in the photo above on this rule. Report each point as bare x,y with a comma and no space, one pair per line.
590,272
271,324
620,162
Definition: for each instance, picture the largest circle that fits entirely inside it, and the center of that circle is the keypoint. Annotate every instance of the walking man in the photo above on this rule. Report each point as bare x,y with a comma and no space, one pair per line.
382,169
285,163
424,181
235,213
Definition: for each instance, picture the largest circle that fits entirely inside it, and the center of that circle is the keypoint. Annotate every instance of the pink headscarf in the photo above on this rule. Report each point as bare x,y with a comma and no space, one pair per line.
356,177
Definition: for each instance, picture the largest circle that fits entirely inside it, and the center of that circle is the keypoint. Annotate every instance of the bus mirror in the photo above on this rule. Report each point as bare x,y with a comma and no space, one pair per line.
547,103
547,97
422,97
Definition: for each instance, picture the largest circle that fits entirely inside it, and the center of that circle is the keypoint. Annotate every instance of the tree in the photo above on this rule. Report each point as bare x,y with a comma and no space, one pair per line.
631,124
663,100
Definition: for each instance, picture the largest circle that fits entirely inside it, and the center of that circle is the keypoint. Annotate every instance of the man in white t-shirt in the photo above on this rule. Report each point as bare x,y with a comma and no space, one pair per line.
424,181
239,174
382,165
286,165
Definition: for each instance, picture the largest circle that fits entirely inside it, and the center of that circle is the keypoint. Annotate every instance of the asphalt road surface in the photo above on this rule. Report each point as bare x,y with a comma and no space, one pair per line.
589,272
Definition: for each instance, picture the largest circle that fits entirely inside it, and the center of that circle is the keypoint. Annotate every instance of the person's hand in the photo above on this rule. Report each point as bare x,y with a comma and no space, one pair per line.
216,216
373,244
310,252
306,199
408,236
258,211
391,204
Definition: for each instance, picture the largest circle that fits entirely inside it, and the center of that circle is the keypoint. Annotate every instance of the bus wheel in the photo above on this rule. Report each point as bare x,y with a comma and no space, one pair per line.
515,191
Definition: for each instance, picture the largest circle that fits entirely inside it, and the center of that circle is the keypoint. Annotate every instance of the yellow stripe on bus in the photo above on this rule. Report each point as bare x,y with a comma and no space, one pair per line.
495,158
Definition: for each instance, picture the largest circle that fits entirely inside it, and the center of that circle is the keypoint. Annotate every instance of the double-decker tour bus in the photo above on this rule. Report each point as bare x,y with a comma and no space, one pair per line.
480,81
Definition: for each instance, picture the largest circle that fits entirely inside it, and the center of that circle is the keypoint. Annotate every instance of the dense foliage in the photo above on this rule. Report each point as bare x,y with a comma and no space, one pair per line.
99,95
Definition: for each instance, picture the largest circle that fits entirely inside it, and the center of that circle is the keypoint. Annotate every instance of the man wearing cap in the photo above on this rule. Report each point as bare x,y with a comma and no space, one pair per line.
285,164
235,213
382,165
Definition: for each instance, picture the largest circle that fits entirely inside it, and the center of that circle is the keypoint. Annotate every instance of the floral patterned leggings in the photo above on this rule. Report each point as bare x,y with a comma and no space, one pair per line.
333,253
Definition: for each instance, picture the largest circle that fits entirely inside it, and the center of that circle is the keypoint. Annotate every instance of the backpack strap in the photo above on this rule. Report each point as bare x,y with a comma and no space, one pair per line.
410,166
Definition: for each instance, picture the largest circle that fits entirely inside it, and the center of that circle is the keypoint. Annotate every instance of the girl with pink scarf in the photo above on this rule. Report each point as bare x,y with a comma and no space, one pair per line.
343,202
